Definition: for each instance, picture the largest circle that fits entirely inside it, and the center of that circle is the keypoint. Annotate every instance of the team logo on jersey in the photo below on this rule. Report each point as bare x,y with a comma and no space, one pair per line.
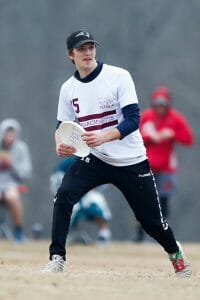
105,104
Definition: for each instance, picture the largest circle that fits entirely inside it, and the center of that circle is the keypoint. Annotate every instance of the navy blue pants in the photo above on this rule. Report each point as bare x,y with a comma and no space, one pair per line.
137,184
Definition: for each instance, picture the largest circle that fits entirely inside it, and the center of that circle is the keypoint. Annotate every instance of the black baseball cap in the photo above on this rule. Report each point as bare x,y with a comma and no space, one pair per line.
79,38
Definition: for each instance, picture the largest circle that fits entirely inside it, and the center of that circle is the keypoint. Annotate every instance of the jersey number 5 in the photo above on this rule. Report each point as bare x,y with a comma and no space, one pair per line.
75,105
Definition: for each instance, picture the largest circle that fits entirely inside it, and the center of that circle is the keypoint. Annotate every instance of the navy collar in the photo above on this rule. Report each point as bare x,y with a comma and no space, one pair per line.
92,75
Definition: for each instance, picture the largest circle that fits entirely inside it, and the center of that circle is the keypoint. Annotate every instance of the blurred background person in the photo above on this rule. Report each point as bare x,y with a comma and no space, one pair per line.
15,169
163,127
92,207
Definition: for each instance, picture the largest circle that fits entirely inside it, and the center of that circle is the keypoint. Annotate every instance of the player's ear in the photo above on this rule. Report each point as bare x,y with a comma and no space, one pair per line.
70,54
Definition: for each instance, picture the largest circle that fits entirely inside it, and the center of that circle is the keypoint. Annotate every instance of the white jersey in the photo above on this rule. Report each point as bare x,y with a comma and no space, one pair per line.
97,105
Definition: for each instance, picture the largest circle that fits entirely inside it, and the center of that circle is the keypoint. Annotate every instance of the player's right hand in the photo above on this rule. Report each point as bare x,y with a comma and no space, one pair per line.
167,134
63,150
5,159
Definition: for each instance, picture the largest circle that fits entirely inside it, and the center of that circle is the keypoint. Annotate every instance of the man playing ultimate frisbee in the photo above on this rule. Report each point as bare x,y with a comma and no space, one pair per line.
103,100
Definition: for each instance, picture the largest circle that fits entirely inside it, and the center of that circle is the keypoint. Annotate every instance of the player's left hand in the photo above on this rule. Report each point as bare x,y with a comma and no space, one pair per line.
94,139
5,159
167,134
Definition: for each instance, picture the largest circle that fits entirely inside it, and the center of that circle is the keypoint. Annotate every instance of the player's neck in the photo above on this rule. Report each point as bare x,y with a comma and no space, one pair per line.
85,71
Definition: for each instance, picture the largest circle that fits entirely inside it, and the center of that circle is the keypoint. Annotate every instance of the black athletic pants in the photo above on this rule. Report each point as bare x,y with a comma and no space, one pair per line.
139,237
137,184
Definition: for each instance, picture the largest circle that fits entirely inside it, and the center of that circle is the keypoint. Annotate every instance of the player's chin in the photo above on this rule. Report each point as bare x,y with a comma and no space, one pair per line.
88,63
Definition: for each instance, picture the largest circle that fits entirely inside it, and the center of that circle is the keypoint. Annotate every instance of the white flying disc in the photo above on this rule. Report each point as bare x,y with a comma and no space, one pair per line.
70,134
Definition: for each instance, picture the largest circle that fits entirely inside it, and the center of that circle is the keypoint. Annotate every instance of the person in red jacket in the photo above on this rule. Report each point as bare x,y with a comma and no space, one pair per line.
163,127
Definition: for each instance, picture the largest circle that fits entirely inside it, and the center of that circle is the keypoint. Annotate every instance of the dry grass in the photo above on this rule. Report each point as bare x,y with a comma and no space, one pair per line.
118,271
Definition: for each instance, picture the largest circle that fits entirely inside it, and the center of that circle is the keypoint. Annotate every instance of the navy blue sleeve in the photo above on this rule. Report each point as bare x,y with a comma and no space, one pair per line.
58,124
131,120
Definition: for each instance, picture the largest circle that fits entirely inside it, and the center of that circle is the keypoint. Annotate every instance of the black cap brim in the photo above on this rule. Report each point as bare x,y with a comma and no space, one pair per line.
81,43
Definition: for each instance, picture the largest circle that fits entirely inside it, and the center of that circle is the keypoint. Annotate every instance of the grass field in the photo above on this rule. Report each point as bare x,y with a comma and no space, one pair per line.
116,271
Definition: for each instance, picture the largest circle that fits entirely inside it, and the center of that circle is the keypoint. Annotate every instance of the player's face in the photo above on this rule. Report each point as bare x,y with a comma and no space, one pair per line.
161,110
84,57
9,137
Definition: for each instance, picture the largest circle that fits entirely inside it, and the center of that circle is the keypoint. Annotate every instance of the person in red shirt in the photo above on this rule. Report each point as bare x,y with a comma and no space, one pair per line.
163,127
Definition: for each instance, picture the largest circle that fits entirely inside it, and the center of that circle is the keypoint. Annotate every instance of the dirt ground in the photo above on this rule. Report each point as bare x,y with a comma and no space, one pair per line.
116,271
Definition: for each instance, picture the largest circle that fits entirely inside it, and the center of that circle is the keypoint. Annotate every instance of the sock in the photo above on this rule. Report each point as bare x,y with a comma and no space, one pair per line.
104,234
